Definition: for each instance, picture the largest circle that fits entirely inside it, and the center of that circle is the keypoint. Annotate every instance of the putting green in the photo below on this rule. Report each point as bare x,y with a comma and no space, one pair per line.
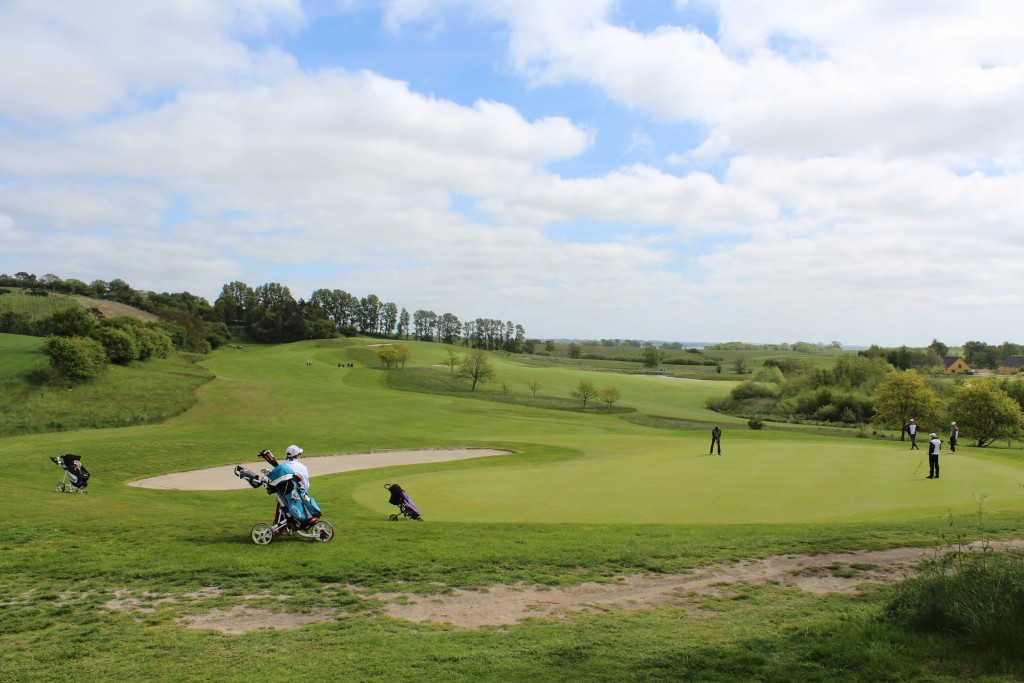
674,481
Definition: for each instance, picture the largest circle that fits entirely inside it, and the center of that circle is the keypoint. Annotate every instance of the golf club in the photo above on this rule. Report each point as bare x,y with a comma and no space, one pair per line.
918,466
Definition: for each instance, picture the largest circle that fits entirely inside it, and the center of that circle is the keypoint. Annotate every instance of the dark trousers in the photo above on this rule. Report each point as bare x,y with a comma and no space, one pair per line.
715,442
913,442
952,445
933,465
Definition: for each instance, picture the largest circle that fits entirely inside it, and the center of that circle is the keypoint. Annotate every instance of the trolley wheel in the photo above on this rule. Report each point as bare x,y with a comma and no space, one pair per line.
393,518
322,531
60,487
83,491
262,534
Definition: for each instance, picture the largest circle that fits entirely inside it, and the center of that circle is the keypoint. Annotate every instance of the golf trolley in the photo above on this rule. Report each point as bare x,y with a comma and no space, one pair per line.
76,477
297,513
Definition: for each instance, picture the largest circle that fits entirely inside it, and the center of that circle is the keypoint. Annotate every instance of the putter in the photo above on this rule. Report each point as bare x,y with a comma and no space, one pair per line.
918,466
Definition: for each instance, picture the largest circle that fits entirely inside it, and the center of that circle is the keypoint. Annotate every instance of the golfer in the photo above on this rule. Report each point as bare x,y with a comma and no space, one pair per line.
912,430
954,432
933,456
300,470
716,440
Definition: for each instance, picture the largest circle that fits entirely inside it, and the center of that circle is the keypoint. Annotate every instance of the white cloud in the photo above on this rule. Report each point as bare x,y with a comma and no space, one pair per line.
858,172
67,61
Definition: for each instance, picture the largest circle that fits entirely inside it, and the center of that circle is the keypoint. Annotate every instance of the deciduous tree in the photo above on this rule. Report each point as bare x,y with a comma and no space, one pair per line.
476,367
609,395
902,395
651,355
452,360
584,391
985,413
394,354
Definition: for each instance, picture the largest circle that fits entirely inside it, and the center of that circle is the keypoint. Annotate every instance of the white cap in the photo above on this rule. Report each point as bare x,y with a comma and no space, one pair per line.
933,435
293,451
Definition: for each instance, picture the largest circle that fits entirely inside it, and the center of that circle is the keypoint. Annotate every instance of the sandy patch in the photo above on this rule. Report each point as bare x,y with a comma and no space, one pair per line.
222,477
506,605
243,619
501,605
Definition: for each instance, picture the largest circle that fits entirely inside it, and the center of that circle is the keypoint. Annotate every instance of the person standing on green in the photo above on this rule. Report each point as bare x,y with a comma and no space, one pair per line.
716,439
934,446
954,432
912,430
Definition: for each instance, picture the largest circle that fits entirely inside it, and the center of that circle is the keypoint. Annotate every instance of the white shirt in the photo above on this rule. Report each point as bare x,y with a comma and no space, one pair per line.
301,472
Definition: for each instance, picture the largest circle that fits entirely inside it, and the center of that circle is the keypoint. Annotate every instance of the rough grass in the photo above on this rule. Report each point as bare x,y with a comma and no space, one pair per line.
978,596
122,396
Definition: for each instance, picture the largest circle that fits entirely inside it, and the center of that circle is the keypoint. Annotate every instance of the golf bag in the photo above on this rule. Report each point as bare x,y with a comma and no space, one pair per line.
406,507
297,513
76,477
294,503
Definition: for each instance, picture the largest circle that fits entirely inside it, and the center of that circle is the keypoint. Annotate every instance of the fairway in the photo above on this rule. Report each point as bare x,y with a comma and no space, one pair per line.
671,481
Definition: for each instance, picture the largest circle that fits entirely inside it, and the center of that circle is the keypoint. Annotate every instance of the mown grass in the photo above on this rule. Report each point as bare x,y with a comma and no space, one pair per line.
586,496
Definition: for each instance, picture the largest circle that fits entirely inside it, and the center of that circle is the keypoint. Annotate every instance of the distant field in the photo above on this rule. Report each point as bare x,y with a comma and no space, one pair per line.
36,307
19,300
111,309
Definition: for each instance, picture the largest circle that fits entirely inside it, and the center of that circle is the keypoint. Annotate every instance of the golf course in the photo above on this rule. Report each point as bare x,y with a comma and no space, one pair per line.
559,543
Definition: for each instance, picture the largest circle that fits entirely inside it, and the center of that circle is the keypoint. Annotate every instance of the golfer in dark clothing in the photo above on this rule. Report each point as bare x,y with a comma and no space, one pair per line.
716,439
954,432
912,430
933,456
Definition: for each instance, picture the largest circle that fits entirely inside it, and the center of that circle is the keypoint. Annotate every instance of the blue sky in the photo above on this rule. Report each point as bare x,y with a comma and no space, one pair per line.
693,170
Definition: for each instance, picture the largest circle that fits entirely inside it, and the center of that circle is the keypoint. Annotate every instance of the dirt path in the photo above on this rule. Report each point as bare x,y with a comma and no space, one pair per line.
502,605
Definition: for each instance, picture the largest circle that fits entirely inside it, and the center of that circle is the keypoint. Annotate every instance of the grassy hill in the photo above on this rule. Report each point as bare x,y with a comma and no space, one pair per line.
38,304
98,587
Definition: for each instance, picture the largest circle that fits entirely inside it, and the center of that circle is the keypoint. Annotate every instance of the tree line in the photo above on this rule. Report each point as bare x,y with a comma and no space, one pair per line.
270,313
868,389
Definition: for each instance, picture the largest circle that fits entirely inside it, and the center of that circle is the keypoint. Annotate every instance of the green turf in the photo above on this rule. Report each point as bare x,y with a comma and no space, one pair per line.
584,496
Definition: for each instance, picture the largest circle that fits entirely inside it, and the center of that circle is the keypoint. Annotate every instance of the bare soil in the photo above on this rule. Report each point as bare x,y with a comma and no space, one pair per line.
501,605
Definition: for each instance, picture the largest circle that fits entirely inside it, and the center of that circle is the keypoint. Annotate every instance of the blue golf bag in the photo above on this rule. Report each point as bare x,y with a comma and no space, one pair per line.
293,500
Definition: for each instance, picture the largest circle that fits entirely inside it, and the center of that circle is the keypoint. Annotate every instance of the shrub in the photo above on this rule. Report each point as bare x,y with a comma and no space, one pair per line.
747,390
769,375
755,423
153,343
74,321
75,358
119,344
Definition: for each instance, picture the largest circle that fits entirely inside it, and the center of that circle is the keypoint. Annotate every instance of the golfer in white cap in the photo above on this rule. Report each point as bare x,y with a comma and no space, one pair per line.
933,456
298,468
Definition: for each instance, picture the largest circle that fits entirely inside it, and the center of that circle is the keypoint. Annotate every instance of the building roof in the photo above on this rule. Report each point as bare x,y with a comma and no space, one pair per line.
949,360
1012,362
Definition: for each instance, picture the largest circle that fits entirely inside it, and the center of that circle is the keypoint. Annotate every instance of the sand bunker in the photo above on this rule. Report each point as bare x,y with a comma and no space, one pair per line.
222,477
